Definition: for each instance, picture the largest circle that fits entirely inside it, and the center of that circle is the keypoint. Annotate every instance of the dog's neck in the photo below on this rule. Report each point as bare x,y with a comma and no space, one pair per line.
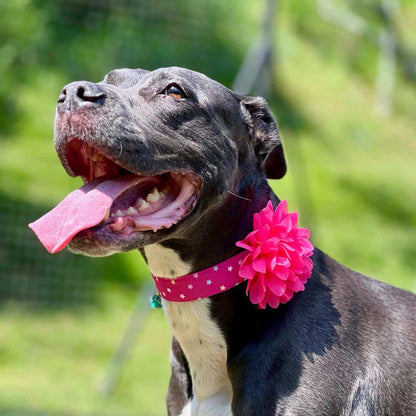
213,238
199,325
165,262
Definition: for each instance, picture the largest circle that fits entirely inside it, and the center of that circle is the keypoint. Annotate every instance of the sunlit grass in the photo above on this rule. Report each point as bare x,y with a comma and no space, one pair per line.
55,361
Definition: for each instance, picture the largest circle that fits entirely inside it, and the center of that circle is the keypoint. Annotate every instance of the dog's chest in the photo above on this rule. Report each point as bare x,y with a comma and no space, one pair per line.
199,336
203,344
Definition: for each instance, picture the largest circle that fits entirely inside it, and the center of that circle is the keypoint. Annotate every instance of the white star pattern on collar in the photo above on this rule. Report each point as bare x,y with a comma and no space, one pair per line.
203,283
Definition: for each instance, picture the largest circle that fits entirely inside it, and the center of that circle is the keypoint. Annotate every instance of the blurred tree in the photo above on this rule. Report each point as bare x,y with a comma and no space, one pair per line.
21,30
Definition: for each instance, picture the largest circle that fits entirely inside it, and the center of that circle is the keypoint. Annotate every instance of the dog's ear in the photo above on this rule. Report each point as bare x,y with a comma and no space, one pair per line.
265,135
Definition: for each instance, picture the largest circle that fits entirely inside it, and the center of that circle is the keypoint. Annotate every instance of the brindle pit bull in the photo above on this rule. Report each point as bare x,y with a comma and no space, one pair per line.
175,165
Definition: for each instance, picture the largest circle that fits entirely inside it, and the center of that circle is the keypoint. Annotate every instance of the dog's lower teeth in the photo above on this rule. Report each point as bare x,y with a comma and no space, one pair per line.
132,211
119,213
153,196
143,205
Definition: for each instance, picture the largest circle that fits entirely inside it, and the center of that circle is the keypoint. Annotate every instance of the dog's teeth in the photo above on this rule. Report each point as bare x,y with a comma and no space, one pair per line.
143,205
153,196
138,203
89,150
96,157
132,211
119,213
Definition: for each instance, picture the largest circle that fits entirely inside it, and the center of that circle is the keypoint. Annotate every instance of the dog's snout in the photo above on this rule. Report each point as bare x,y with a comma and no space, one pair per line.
77,94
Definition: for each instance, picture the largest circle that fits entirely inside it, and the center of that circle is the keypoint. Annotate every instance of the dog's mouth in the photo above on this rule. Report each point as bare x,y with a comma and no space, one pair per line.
115,199
147,203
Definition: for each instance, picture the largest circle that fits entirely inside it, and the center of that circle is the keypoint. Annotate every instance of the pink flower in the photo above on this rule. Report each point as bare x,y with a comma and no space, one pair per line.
278,263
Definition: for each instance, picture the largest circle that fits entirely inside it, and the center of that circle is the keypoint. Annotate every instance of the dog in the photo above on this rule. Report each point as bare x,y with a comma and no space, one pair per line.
190,160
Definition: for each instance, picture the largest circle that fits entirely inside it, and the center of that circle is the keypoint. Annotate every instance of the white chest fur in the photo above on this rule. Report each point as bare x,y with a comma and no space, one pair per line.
200,338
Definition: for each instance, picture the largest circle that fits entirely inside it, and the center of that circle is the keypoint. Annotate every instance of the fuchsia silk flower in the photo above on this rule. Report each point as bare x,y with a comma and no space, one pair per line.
276,266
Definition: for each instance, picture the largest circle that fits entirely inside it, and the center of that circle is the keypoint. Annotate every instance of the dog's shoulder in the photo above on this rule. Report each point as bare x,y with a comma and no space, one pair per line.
341,280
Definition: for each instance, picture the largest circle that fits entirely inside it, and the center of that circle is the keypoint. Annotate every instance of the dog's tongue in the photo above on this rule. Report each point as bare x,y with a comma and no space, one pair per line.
81,209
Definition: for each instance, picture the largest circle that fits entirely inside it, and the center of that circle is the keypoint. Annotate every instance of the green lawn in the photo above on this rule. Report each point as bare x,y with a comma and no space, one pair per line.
352,177
53,362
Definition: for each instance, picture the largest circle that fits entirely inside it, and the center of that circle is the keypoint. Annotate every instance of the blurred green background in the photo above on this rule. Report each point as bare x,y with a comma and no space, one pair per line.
344,93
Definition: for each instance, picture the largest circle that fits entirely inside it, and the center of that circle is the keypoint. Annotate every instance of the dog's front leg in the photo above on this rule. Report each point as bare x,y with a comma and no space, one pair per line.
180,399
217,405
180,385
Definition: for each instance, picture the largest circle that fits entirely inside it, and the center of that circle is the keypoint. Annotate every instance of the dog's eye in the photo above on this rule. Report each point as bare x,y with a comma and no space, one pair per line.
174,91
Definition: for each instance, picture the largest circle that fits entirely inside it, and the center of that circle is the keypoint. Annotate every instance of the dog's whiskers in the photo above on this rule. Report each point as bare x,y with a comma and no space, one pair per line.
239,196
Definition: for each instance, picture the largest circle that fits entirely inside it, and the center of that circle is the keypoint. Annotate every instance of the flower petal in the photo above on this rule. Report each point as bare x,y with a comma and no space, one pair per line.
286,296
275,284
256,289
256,221
272,299
259,264
281,212
246,270
278,264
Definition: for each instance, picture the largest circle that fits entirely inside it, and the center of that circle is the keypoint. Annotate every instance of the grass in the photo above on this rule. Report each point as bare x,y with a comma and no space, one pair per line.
351,176
54,362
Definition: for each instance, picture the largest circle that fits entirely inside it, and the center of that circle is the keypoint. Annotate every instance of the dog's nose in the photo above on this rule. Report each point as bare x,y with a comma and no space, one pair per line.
78,94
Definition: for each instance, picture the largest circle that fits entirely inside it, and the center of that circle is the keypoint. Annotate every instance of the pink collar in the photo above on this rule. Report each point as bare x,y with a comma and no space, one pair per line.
276,264
202,284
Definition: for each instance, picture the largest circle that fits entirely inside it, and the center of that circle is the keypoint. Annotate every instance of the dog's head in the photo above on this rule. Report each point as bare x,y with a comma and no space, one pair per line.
189,141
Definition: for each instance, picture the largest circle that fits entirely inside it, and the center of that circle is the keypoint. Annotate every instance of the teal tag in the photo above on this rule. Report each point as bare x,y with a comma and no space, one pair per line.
156,301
